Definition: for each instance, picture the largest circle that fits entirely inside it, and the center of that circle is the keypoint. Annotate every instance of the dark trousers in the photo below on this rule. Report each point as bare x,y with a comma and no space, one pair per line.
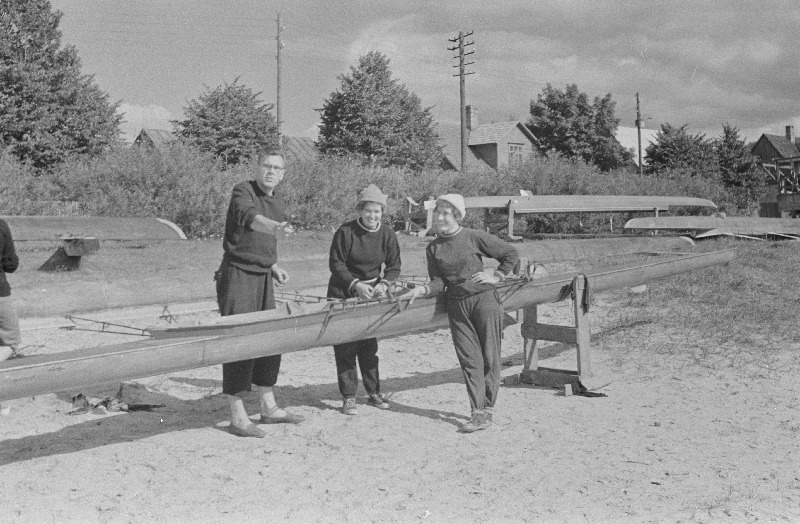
366,352
240,291
476,324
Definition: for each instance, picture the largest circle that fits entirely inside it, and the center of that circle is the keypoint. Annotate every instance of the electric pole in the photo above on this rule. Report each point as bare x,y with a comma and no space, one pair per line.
462,89
278,83
639,131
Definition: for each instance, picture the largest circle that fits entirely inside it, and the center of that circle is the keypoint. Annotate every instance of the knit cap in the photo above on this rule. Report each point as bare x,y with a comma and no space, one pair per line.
455,200
372,193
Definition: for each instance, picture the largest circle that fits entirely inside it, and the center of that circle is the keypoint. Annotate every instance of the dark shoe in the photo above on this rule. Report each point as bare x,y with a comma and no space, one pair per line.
476,423
288,418
349,406
250,431
378,400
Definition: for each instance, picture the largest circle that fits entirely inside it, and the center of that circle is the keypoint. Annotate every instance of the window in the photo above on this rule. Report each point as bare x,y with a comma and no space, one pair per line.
515,153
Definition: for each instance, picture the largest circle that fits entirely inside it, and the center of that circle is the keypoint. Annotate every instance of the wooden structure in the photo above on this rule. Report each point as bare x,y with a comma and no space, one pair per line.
77,236
542,204
200,346
711,226
779,158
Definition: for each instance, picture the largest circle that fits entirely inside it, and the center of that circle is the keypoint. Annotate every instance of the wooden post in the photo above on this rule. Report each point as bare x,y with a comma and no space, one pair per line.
582,328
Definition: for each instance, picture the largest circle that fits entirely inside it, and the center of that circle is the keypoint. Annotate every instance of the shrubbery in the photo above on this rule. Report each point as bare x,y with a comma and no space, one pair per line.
192,189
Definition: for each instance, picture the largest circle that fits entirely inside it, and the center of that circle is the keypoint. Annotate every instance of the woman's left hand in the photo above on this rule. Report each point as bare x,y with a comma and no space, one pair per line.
485,277
279,274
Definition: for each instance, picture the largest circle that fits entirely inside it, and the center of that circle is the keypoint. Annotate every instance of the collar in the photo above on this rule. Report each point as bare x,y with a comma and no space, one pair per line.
365,228
454,233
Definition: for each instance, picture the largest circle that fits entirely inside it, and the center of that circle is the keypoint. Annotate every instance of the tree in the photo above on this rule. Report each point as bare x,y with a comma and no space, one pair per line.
229,122
48,109
737,166
374,116
676,149
566,123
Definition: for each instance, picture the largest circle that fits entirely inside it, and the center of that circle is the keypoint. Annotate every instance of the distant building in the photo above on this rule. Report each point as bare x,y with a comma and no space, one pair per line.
779,157
299,148
157,138
628,138
495,145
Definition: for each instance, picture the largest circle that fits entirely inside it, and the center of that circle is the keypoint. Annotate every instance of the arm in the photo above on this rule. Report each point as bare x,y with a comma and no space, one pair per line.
498,249
337,260
10,261
246,215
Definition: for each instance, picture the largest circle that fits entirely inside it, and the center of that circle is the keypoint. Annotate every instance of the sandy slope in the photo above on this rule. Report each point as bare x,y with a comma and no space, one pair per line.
673,441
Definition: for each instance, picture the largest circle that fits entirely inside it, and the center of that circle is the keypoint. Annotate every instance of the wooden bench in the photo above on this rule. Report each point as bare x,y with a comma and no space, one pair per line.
77,236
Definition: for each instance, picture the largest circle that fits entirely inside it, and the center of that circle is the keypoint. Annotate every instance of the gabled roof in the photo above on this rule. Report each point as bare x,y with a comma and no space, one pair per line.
450,138
299,148
154,137
782,145
493,133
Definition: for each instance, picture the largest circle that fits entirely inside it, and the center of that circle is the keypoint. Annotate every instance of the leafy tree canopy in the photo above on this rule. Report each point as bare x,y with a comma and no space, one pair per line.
738,167
374,116
48,109
676,149
565,122
229,122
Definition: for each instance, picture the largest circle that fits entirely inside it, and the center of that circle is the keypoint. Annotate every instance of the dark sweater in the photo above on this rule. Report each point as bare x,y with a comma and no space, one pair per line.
358,254
452,260
245,248
8,258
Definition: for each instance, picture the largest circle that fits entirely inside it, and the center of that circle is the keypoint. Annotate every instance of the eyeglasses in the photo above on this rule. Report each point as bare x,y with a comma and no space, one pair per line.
273,167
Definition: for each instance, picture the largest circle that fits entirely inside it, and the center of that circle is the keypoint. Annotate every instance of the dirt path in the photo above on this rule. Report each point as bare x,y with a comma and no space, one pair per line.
672,442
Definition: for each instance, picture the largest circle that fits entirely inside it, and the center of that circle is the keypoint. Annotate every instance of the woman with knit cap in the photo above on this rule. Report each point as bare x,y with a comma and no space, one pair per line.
455,266
364,263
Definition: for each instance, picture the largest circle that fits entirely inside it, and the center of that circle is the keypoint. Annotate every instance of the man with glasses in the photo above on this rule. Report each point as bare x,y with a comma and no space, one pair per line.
256,220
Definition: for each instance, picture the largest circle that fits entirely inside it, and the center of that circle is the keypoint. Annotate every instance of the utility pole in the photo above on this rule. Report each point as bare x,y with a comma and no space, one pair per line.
278,83
462,89
639,131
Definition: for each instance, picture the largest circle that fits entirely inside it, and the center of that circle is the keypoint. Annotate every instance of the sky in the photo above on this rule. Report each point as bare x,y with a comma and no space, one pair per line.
699,63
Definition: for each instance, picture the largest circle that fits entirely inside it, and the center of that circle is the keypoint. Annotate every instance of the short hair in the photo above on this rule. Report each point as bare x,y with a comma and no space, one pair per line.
456,212
361,205
269,151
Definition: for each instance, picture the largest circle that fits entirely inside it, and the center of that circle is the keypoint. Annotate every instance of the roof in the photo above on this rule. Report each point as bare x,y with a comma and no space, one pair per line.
299,148
493,133
450,138
154,137
782,145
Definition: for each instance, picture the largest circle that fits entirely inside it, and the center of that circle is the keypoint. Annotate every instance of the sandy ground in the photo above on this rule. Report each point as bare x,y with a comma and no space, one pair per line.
673,441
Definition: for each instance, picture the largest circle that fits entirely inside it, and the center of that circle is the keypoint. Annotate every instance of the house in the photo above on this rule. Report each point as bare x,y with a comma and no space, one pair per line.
628,138
495,145
299,149
157,138
779,157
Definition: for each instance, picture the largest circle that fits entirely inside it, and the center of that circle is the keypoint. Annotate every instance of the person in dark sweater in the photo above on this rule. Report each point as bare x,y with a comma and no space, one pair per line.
455,266
360,249
255,221
9,321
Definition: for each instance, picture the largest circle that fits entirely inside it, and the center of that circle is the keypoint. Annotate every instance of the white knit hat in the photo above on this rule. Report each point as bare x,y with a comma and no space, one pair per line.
372,193
455,200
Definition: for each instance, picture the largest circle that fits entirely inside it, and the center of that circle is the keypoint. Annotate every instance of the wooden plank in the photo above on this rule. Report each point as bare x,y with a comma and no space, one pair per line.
31,228
551,332
728,225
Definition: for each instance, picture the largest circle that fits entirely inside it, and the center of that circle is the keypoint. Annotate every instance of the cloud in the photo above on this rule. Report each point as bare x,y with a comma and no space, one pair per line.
137,117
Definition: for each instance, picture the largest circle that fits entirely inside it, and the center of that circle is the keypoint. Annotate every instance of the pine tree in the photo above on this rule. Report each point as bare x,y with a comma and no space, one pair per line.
675,149
373,116
737,166
48,109
229,122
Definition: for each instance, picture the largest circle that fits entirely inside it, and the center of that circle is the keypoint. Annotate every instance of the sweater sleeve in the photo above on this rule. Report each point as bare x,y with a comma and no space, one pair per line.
500,250
337,259
436,285
243,205
10,261
392,268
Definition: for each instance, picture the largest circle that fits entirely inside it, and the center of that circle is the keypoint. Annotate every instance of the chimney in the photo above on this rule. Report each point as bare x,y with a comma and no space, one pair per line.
472,118
789,133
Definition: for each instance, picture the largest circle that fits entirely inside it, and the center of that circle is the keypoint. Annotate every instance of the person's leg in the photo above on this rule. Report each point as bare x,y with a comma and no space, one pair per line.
487,317
347,376
368,364
9,338
468,350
